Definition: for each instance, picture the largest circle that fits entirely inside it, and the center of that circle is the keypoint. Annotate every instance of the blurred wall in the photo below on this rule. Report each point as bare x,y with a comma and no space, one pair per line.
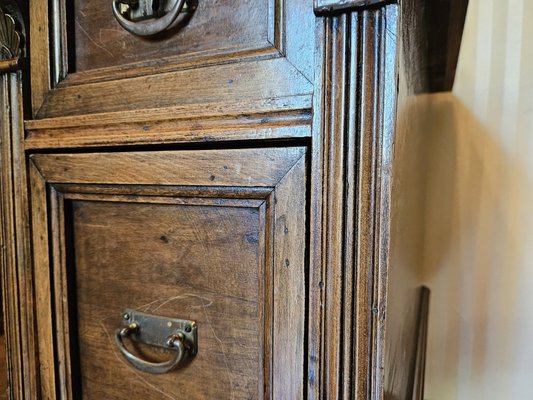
476,245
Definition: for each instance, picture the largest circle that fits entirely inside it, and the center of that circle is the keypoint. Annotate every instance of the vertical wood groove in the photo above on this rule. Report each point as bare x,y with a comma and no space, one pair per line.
16,260
354,200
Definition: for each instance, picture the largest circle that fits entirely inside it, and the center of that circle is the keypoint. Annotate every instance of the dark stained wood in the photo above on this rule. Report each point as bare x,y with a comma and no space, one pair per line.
272,214
4,388
445,20
328,6
15,255
237,266
407,200
282,118
193,261
274,50
357,131
442,23
99,41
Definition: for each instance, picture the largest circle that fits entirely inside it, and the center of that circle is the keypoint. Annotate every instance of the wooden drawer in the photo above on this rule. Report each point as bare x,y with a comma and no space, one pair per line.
222,52
214,236
214,27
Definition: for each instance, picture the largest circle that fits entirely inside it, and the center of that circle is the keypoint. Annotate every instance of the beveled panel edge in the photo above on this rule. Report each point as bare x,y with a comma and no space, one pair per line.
184,192
331,6
224,83
216,199
261,51
263,167
215,110
57,241
281,198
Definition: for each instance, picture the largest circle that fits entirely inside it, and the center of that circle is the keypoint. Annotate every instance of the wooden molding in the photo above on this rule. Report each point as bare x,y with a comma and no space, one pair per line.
15,260
329,6
442,22
354,125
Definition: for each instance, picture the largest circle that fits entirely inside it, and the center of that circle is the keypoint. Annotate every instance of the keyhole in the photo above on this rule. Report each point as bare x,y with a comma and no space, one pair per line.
155,5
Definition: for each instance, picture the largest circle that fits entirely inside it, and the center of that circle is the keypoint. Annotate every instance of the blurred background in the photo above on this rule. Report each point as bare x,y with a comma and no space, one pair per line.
477,211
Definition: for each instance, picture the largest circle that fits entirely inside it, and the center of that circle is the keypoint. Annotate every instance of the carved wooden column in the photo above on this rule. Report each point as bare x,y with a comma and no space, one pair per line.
15,261
356,121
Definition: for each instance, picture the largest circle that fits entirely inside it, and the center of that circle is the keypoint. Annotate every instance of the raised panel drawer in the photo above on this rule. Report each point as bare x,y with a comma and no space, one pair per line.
213,236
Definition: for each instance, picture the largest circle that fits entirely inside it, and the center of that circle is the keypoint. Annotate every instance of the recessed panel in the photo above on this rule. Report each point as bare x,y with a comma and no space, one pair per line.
187,261
217,26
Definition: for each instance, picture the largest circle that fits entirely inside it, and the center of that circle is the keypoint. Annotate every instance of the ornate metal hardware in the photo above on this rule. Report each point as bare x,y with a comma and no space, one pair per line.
149,17
179,336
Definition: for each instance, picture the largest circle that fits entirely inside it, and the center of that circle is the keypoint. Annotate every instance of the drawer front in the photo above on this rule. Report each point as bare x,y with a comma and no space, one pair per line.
212,236
221,54
215,26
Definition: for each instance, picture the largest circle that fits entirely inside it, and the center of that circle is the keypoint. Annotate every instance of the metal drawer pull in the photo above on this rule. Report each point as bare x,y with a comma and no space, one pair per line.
177,335
148,17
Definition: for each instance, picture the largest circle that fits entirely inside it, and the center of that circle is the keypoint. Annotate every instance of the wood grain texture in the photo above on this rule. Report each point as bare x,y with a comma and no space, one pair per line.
285,56
8,239
100,41
289,263
239,167
330,6
43,289
278,118
287,238
206,268
235,82
40,54
235,263
445,20
357,128
17,276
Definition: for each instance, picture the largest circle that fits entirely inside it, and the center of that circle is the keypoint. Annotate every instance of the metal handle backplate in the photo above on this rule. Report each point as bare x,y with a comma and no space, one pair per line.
148,17
179,336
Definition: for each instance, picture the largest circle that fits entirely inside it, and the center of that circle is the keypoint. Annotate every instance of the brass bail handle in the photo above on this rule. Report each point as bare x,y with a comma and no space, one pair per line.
178,336
174,342
148,17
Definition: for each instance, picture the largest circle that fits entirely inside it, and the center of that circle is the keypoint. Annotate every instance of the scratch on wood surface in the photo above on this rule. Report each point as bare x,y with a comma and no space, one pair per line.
183,296
93,41
228,373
